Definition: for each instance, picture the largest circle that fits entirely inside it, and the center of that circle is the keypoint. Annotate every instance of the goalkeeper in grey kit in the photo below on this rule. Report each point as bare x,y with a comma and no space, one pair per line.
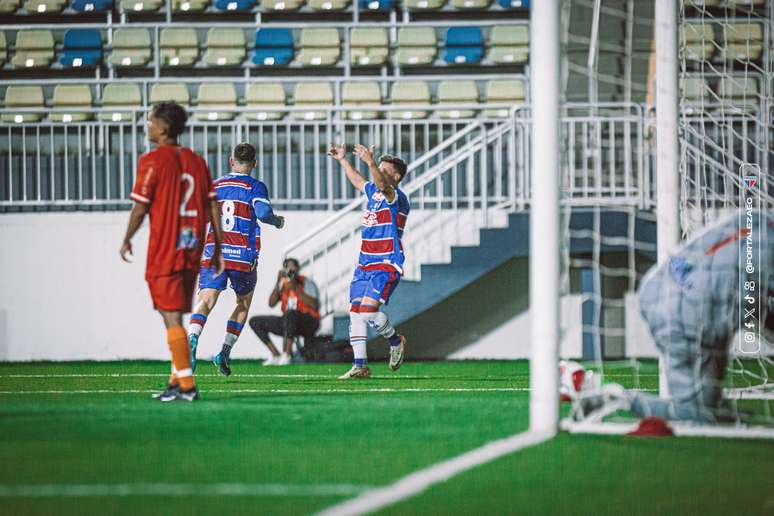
691,304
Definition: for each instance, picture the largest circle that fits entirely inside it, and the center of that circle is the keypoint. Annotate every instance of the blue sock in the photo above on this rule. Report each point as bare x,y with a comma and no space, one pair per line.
395,339
361,362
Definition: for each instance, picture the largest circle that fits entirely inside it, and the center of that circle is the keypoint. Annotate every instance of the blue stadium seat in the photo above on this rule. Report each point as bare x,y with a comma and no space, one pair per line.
273,47
514,4
375,5
464,45
87,6
234,5
82,48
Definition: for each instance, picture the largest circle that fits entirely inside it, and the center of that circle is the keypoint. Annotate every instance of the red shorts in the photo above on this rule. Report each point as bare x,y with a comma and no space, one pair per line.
173,293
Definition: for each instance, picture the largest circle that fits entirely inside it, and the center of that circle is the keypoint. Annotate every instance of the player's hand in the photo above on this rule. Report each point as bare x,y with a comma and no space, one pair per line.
126,248
281,221
217,263
337,152
365,153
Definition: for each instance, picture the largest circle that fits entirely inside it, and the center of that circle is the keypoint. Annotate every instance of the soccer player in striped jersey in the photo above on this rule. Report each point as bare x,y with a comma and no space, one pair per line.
380,264
174,189
244,201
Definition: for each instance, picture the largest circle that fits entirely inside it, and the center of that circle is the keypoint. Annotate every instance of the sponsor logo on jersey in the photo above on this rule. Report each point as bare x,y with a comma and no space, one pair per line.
369,219
378,197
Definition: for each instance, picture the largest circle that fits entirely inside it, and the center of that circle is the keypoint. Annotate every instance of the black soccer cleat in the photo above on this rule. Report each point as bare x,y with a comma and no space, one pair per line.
168,391
221,361
192,395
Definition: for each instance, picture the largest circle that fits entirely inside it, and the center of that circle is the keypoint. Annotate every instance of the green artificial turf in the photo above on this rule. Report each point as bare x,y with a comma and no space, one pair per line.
94,424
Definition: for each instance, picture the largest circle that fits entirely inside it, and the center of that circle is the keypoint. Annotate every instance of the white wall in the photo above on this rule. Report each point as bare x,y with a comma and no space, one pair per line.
65,294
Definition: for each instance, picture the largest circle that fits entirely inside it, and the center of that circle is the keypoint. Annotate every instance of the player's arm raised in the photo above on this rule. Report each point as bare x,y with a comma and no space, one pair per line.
380,180
339,153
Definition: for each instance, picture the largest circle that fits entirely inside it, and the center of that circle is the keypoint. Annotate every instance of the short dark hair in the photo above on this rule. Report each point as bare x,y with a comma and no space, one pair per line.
290,259
397,162
173,114
244,154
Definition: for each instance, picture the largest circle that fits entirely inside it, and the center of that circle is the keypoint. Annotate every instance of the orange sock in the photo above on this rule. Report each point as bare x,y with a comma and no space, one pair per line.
181,357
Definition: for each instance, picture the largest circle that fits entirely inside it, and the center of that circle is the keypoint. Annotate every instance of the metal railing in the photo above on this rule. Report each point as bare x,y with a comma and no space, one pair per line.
481,174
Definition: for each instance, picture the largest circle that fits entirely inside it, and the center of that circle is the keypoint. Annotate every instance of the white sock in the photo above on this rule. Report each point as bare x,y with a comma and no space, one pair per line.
358,334
229,340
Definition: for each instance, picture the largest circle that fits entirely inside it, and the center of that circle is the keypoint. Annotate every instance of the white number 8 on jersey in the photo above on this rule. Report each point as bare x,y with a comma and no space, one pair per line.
228,218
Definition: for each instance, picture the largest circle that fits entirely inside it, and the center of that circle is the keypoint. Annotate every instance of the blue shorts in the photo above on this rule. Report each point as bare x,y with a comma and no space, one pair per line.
376,284
241,282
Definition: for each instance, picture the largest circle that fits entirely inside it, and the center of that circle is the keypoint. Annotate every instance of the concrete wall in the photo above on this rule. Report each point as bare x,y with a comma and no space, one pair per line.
65,294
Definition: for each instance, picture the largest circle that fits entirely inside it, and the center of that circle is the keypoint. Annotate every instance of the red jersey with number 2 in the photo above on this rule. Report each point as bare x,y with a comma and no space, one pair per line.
175,183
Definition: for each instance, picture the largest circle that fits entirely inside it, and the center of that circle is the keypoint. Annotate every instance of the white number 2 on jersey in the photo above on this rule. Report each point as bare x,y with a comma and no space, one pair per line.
188,179
228,219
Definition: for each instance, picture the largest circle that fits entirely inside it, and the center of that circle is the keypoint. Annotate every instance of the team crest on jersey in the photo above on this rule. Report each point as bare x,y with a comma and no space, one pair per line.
369,219
378,196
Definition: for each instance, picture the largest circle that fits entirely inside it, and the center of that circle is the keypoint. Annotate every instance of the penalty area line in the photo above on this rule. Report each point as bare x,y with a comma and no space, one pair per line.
161,489
413,484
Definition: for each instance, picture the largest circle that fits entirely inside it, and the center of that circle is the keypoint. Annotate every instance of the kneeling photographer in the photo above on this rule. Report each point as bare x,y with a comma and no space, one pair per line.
300,301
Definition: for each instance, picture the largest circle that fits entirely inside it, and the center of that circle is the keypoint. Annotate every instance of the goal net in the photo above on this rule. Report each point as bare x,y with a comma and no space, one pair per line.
726,149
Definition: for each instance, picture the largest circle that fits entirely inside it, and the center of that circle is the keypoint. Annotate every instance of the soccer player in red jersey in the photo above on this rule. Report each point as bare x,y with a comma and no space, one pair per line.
175,189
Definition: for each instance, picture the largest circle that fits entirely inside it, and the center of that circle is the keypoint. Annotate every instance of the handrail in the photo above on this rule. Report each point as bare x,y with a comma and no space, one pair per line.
359,201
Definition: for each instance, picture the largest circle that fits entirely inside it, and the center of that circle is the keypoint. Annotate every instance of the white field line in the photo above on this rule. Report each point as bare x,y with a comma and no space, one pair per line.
286,391
415,483
219,489
680,429
213,375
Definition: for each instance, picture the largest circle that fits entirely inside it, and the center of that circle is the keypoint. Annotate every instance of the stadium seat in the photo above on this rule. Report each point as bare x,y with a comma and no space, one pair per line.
464,45
72,97
457,92
409,93
696,92
131,47
82,48
265,95
319,47
9,6
328,5
470,4
312,95
225,47
88,6
170,91
219,99
282,5
368,46
514,4
375,5
3,49
234,5
416,46
500,91
273,47
743,42
141,5
509,44
178,46
739,90
358,94
44,6
17,97
118,97
415,5
34,48
697,41
189,6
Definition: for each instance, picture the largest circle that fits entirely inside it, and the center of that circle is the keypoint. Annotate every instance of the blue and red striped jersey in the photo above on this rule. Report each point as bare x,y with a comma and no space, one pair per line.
242,200
382,228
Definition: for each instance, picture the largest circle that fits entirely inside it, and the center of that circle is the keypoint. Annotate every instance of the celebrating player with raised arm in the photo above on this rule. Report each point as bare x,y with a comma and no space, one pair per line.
174,187
381,254
244,201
